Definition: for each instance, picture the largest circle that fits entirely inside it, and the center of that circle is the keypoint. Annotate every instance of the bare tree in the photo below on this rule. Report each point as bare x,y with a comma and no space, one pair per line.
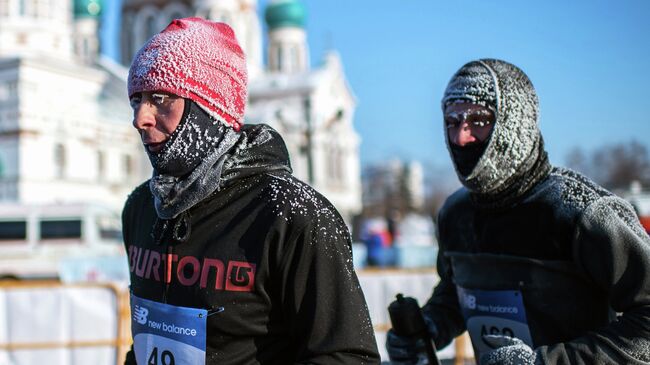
614,166
578,160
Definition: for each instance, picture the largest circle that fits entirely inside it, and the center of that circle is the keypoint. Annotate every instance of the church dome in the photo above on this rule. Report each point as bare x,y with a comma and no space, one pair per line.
285,13
87,8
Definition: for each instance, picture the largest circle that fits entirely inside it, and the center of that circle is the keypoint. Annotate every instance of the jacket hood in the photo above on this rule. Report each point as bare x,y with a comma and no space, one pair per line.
514,158
259,149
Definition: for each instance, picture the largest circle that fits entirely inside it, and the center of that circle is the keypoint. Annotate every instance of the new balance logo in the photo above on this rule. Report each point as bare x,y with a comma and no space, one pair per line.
140,314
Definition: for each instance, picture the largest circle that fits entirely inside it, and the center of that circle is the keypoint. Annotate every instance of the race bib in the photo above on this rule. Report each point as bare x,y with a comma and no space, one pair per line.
164,334
493,312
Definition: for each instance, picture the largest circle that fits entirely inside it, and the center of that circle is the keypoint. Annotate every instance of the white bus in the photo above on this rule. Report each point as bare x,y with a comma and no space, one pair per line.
36,239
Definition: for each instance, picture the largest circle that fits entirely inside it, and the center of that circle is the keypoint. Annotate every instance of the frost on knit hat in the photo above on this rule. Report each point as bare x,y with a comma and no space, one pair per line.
514,156
473,83
195,59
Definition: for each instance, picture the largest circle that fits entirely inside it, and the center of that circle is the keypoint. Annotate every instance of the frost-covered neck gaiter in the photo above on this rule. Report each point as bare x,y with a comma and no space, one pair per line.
189,166
189,144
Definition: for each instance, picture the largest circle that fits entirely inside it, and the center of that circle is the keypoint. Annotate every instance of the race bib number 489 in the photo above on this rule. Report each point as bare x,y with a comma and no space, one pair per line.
164,334
493,312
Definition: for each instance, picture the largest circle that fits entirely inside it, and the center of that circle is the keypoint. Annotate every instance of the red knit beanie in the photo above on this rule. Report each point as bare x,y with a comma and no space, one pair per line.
196,59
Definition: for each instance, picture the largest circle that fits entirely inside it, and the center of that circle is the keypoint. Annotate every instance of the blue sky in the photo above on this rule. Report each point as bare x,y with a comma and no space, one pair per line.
589,61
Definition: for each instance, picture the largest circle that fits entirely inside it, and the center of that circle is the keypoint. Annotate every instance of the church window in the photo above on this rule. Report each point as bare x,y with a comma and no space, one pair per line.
175,10
127,38
59,161
340,165
279,58
128,165
336,165
27,8
85,48
176,15
150,27
101,165
21,7
292,61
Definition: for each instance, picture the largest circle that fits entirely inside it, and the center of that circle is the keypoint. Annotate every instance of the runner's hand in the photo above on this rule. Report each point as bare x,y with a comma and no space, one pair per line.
406,350
508,351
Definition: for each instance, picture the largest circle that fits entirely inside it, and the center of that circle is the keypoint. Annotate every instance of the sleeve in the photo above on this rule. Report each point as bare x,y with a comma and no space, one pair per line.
322,297
613,250
443,305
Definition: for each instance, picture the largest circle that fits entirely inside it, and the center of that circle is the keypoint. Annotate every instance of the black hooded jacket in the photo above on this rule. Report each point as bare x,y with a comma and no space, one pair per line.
576,252
287,286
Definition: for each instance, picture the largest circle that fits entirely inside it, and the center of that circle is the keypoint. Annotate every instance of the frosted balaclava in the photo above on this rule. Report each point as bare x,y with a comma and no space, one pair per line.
514,158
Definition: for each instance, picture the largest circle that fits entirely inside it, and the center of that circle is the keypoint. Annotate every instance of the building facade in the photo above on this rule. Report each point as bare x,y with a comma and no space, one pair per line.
65,131
313,109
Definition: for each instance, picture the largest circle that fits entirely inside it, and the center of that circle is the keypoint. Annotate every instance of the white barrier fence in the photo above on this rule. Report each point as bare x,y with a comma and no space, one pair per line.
78,324
56,324
380,286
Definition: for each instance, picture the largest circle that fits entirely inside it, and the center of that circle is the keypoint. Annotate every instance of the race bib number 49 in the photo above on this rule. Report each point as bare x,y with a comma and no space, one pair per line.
493,312
164,334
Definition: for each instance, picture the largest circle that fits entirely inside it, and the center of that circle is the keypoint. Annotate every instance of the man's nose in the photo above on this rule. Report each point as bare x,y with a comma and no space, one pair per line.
143,116
463,135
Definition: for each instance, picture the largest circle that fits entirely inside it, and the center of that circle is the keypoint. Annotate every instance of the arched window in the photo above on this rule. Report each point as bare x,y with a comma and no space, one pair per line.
59,161
151,27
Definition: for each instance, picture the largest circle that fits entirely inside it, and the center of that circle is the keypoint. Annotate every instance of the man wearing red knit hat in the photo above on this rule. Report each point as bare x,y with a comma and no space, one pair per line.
232,259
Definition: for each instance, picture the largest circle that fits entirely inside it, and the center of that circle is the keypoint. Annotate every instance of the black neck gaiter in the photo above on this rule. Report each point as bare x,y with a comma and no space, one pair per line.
467,157
196,135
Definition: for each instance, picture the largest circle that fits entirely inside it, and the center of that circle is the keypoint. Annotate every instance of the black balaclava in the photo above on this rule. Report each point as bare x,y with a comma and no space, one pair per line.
513,157
466,157
189,144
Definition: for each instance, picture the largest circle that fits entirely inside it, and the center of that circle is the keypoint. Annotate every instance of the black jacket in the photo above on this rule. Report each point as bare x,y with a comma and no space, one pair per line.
287,285
577,253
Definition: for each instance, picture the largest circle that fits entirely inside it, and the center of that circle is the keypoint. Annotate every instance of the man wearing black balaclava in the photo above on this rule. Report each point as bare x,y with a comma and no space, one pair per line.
538,263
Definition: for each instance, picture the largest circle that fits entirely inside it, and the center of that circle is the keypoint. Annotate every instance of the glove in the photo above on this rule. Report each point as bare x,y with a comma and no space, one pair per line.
407,350
508,351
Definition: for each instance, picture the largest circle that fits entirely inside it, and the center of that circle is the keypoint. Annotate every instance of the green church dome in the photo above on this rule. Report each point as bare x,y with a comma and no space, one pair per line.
285,13
87,8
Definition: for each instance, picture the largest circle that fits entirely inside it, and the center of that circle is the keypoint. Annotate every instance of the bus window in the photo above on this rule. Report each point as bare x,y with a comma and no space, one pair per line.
60,229
13,231
109,228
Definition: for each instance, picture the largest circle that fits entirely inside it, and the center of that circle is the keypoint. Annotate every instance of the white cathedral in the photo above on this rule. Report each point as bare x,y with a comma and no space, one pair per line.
65,122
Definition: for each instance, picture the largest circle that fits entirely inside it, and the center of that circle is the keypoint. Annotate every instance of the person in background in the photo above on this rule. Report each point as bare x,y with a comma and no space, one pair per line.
232,259
538,263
